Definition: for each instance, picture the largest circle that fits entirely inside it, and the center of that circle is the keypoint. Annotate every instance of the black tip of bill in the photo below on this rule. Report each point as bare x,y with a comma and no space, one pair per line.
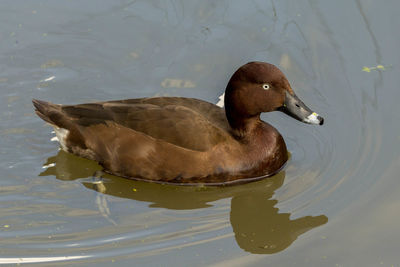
321,120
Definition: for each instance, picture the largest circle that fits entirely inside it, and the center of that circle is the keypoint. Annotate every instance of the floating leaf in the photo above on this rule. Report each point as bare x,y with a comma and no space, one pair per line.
366,69
378,67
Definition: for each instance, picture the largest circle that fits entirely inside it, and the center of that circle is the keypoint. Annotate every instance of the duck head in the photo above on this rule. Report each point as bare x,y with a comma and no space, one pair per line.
261,87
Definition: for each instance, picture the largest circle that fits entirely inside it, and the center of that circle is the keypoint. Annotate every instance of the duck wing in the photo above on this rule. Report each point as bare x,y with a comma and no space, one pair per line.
185,122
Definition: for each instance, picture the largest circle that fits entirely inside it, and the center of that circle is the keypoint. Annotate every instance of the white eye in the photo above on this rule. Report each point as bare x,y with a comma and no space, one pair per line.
265,86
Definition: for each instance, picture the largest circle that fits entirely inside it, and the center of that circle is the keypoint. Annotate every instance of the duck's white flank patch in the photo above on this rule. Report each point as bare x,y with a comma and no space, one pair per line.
312,119
221,101
62,137
54,139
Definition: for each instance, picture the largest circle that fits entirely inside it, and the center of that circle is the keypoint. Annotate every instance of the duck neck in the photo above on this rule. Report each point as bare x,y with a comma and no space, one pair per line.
244,127
242,116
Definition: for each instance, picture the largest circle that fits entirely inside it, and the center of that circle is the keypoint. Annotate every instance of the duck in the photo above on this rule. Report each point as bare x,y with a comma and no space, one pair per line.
182,140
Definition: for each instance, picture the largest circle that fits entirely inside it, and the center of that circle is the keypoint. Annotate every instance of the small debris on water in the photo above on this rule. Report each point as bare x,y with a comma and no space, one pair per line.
369,69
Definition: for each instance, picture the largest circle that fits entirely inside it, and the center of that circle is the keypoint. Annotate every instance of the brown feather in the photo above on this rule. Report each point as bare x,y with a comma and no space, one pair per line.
168,119
181,140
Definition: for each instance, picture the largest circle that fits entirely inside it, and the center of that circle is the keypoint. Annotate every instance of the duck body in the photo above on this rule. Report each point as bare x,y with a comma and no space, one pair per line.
175,139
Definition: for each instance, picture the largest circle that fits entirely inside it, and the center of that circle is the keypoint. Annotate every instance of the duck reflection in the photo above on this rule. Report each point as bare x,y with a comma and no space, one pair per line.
258,226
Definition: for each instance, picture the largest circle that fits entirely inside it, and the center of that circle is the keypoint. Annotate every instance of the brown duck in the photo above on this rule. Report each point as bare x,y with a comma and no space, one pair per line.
185,140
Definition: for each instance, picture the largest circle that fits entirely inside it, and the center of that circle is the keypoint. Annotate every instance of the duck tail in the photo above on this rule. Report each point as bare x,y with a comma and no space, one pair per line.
48,112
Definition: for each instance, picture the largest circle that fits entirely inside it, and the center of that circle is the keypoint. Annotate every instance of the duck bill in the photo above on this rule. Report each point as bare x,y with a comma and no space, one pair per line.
295,108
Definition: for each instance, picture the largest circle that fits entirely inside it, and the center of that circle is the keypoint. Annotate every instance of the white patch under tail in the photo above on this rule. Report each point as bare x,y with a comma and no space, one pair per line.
62,135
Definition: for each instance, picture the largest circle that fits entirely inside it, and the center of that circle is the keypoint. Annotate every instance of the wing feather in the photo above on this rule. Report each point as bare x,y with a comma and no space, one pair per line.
185,122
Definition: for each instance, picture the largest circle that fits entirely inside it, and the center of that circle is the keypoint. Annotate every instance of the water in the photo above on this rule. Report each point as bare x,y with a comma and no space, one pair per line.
334,204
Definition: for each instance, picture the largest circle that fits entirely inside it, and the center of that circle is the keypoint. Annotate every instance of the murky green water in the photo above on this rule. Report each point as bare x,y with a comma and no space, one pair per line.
337,201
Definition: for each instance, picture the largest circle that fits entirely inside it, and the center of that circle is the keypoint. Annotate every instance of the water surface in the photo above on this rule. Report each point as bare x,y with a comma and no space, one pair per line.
334,204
